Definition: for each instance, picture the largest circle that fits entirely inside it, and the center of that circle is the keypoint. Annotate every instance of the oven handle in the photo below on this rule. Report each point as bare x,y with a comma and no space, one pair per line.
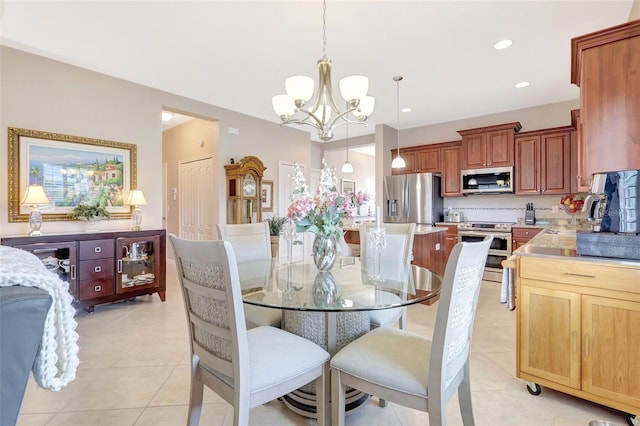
504,235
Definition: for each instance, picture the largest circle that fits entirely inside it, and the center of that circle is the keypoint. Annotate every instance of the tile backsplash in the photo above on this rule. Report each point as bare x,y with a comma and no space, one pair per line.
507,208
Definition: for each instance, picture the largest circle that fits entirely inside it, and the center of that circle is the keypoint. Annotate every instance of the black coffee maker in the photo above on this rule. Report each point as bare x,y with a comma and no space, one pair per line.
613,204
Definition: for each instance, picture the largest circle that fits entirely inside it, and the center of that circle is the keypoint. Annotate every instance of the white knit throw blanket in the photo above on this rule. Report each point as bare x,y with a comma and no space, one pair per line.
57,359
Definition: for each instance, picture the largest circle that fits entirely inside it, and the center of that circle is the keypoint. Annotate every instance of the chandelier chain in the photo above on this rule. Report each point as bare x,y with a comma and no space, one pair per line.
324,30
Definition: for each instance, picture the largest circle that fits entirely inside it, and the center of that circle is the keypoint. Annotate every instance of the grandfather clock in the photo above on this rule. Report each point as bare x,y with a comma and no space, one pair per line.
244,180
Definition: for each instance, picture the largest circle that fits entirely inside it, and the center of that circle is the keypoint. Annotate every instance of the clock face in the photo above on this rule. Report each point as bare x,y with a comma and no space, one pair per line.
249,186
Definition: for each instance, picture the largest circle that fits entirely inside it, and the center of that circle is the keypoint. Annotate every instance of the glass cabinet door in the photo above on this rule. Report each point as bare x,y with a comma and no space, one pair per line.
138,263
59,258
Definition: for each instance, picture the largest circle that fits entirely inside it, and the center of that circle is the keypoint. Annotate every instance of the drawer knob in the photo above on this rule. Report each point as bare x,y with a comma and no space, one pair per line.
97,269
97,288
97,249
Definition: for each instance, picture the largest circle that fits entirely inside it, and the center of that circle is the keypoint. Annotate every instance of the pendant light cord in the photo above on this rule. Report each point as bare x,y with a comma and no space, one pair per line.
397,79
324,30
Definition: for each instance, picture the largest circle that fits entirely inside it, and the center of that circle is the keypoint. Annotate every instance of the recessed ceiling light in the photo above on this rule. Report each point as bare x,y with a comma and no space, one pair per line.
406,110
522,84
166,116
502,44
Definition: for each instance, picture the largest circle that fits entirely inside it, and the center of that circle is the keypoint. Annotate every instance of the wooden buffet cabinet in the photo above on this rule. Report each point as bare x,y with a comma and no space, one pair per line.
577,329
103,267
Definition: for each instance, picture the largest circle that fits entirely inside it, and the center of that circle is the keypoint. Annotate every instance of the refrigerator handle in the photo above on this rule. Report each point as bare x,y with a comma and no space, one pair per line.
405,205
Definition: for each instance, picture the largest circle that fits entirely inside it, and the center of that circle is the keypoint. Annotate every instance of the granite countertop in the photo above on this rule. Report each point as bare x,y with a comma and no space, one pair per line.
560,243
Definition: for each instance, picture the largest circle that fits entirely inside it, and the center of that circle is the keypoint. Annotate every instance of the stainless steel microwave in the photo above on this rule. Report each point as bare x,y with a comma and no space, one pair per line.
497,180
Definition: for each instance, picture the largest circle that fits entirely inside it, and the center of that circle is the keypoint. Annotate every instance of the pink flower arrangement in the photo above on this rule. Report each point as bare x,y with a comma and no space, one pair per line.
322,213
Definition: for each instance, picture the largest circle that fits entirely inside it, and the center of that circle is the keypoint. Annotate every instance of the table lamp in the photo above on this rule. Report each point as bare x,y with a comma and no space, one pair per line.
136,198
35,196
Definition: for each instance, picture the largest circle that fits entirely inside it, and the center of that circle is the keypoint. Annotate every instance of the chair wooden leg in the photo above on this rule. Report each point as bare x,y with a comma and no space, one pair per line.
464,398
195,397
338,397
322,396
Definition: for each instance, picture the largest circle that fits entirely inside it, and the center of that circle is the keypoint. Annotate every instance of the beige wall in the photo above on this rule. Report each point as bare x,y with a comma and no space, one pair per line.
41,94
635,11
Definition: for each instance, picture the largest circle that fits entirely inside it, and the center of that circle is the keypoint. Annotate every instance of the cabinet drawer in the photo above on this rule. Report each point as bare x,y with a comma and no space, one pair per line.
585,274
525,233
94,269
91,289
96,249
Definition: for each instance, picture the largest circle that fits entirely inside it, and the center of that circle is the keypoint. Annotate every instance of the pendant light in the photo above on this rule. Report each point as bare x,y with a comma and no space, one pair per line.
347,167
398,162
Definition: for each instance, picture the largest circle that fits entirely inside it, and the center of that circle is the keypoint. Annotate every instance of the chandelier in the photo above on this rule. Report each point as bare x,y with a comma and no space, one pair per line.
318,112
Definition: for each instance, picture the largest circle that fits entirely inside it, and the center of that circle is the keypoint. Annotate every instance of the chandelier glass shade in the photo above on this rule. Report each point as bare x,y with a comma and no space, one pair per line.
322,112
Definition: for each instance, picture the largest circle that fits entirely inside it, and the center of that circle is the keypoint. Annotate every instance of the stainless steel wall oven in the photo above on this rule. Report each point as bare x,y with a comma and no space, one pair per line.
500,246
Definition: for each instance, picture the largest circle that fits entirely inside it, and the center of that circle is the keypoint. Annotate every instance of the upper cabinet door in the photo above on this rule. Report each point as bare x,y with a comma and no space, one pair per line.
556,163
473,151
527,167
429,160
499,148
488,146
606,66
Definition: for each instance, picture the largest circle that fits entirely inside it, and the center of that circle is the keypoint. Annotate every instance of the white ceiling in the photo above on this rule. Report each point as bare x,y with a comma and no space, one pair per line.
237,54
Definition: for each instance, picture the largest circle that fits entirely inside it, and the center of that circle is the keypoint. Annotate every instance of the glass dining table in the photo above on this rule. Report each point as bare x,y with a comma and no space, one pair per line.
333,308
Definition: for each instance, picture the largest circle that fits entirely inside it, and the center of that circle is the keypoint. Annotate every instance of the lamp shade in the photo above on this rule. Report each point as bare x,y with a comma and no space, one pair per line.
354,87
35,195
299,88
398,163
347,167
136,198
365,108
283,105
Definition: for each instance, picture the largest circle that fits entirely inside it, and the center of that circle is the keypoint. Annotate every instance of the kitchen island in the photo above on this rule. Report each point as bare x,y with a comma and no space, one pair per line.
577,322
429,246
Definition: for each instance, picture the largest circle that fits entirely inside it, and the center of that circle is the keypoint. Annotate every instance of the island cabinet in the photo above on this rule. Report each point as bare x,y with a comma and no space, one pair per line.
521,236
577,329
103,267
429,251
606,67
488,146
542,162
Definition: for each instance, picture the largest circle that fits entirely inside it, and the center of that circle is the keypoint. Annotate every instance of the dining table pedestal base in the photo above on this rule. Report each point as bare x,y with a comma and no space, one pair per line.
331,331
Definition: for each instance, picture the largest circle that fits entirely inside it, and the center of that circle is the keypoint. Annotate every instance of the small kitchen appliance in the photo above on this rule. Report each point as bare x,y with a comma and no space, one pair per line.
613,208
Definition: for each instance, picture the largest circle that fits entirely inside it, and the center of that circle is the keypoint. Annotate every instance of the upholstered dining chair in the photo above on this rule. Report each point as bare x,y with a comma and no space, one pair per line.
399,248
246,368
410,370
251,241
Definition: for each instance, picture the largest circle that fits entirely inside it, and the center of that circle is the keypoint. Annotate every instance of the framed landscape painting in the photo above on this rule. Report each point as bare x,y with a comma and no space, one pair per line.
72,170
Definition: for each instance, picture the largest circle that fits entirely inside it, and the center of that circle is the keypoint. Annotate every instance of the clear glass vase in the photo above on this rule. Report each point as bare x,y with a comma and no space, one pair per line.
325,251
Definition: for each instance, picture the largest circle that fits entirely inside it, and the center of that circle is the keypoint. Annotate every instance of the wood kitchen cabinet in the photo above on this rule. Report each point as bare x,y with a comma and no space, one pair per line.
103,267
576,329
521,236
451,239
488,146
543,162
580,182
606,67
451,181
419,159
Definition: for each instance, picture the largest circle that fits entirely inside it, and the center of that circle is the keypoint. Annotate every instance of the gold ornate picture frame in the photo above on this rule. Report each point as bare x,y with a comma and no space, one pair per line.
72,170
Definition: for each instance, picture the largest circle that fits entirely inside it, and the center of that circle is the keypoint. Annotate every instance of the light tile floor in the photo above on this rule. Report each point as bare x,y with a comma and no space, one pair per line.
135,371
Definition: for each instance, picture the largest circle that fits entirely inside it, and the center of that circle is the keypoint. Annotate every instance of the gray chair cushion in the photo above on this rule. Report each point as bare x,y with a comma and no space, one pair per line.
396,359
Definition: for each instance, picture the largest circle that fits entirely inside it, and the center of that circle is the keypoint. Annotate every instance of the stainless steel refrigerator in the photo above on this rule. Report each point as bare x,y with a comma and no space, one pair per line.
413,198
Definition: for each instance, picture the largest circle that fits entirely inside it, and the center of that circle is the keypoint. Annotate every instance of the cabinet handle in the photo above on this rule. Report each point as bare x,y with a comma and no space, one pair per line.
119,266
73,272
97,288
97,249
42,250
97,269
580,275
586,346
575,340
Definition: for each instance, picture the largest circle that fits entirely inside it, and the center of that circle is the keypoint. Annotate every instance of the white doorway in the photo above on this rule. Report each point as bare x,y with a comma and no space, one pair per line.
195,178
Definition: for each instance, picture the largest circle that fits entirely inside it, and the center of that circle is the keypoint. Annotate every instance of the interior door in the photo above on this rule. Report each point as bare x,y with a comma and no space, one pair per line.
196,199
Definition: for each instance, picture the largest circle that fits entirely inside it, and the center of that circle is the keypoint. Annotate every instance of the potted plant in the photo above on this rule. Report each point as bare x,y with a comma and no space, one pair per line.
90,213
275,229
